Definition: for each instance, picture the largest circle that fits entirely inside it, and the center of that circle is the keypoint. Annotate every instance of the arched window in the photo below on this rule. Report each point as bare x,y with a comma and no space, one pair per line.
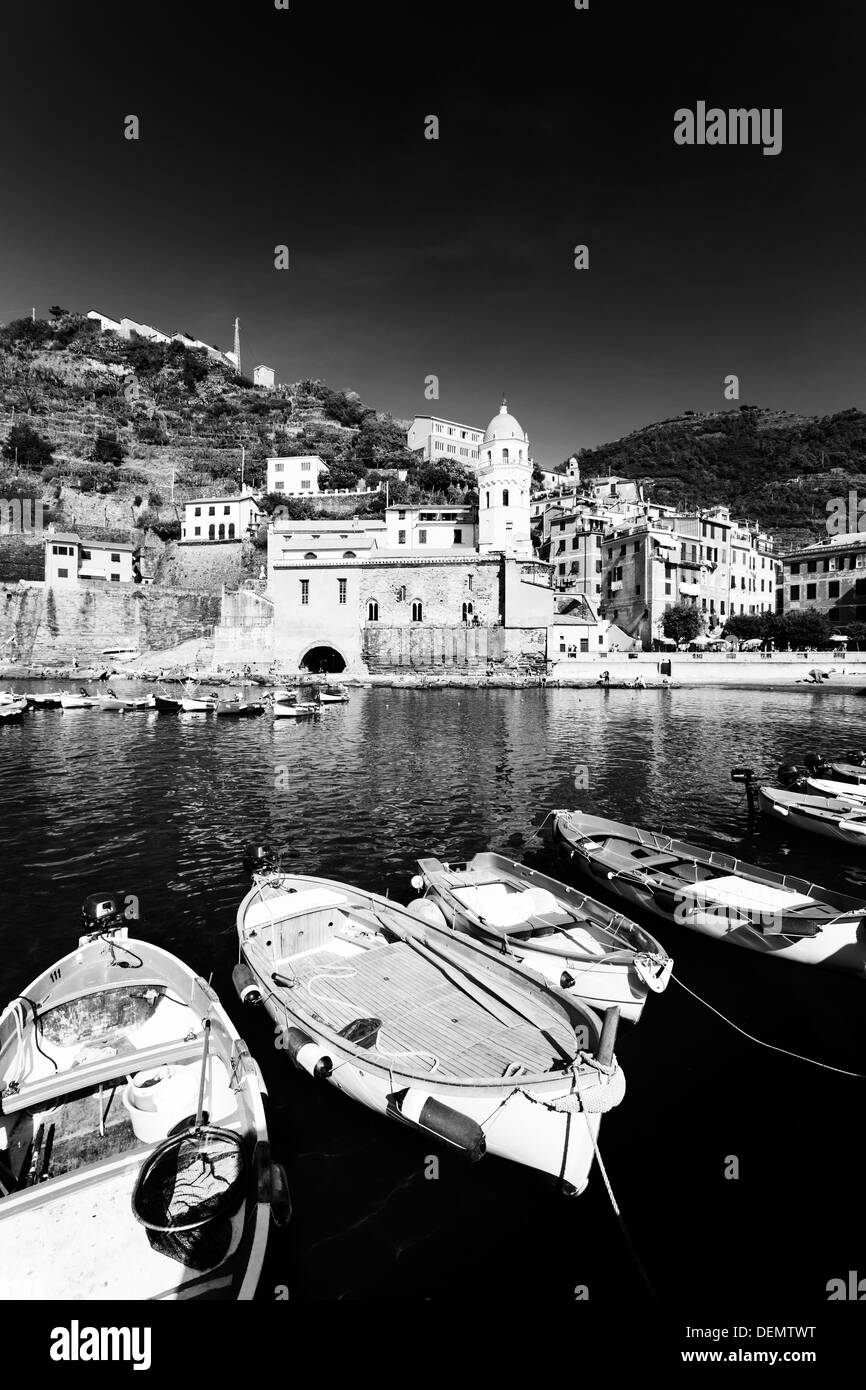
504,455
348,555
401,594
487,499
468,611
417,611
310,555
372,611
505,497
222,531
231,530
211,532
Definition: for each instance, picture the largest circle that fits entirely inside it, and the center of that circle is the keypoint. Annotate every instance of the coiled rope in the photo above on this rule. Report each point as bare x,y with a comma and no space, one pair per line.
825,1066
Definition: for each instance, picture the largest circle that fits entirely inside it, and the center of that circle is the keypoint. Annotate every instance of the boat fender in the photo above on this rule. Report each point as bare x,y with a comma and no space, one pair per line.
426,910
306,1054
246,986
417,1108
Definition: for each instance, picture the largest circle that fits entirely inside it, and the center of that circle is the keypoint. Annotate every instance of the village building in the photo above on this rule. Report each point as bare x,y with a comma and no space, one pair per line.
69,559
296,475
432,437
829,576
219,519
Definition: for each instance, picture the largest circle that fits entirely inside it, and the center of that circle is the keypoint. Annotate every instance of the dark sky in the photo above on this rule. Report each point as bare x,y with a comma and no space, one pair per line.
411,257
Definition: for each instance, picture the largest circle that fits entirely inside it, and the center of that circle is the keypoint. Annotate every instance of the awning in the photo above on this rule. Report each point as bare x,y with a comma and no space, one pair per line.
837,637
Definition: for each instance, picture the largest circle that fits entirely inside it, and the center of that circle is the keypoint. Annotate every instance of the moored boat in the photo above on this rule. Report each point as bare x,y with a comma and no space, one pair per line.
135,1161
717,894
165,704
50,700
574,941
287,706
238,709
428,1026
12,711
81,700
189,705
333,695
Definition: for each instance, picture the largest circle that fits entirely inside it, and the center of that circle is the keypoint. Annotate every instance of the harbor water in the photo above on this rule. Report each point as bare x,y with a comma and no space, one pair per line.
161,805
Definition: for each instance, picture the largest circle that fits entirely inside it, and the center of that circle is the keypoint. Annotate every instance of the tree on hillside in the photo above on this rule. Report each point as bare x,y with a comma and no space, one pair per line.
28,448
683,622
380,443
440,474
339,476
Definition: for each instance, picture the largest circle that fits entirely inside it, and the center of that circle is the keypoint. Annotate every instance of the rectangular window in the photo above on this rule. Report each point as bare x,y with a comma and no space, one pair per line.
211,511
279,487
226,511
401,537
279,468
812,566
305,592
811,591
469,583
63,574
795,567
584,644
197,511
85,554
795,593
306,466
115,578
342,588
115,559
458,536
833,588
305,482
197,531
422,537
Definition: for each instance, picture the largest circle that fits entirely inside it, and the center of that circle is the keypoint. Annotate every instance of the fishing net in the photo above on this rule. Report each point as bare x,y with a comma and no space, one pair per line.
187,1192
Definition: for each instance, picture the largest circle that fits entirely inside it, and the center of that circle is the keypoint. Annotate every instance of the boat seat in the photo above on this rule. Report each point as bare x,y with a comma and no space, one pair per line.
105,1069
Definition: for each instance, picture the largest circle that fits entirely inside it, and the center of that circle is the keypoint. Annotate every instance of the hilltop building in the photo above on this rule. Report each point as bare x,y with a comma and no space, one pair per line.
69,559
219,519
295,474
264,376
432,437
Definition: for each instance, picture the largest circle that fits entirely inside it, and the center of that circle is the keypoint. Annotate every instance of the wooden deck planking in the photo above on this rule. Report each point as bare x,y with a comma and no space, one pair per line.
422,1012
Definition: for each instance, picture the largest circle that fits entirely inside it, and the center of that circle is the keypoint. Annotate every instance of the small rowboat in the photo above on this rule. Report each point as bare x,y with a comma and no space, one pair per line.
191,706
717,894
12,711
164,704
238,709
51,700
850,769
121,705
287,706
333,695
572,940
836,818
134,1161
428,1026
80,701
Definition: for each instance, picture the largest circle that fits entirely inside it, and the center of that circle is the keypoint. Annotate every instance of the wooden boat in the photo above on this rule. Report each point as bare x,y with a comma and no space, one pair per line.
195,706
166,705
717,894
333,695
238,709
836,818
134,1161
12,711
570,939
287,706
80,701
427,1026
122,704
848,769
50,700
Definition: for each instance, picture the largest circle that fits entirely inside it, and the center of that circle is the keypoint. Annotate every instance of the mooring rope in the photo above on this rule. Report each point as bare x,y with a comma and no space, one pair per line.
825,1066
632,1249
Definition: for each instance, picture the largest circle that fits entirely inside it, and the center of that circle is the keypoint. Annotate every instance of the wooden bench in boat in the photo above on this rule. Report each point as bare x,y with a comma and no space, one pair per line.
36,1093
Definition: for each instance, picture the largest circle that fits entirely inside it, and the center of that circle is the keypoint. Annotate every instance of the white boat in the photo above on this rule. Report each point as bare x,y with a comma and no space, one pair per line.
716,894
333,695
11,711
428,1027
195,706
45,700
80,701
842,819
572,940
134,1156
287,706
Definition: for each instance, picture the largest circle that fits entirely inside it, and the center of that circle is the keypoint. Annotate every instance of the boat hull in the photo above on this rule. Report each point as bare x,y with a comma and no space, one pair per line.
73,1229
548,1122
838,946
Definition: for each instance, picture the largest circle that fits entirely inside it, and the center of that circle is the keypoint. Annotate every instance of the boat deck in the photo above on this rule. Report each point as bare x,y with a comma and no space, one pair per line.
427,1022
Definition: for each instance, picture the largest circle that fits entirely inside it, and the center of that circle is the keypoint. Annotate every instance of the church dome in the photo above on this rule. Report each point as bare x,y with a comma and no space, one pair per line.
503,426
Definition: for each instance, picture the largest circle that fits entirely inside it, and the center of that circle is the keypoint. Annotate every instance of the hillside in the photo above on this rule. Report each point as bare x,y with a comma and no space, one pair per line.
771,466
110,424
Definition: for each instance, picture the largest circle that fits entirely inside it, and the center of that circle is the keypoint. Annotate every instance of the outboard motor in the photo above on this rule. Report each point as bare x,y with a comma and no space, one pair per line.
747,778
105,912
790,775
816,764
857,756
258,859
